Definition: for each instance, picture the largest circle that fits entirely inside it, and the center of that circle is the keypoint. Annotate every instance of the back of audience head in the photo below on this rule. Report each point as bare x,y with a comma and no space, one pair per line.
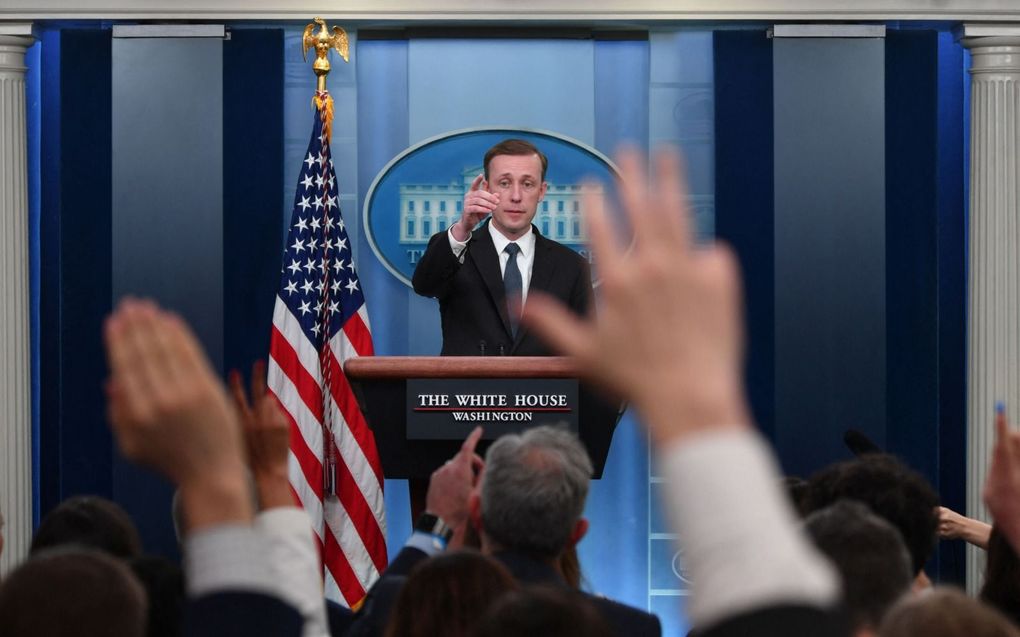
796,488
868,553
533,491
891,490
1001,588
543,610
944,612
74,593
88,521
163,582
447,594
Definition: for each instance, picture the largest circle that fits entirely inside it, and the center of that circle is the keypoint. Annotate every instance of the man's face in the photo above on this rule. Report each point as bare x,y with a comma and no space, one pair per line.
517,179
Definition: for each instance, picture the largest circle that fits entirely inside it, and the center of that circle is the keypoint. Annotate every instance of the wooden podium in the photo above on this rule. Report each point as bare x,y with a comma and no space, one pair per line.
380,384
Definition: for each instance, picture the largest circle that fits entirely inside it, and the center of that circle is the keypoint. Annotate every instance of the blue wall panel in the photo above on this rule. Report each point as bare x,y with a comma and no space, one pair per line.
75,447
167,221
829,116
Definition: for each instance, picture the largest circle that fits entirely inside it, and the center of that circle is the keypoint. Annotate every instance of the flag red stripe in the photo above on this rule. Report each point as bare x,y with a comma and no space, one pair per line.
341,570
348,404
283,353
359,335
364,520
311,468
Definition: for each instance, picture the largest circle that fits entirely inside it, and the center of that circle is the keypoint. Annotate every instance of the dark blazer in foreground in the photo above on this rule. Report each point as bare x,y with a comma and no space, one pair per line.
625,621
472,302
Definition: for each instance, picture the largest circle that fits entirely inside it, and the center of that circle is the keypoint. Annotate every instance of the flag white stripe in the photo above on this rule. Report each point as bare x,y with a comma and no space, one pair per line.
354,457
287,393
339,523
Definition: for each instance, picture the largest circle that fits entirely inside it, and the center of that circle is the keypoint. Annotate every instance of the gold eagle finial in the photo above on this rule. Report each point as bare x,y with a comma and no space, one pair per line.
322,42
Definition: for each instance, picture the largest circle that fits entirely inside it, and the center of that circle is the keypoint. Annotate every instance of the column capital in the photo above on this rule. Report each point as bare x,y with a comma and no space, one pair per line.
15,38
16,33
995,48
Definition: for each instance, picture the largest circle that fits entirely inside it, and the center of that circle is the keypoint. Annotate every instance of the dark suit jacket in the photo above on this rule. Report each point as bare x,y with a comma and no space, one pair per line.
625,621
240,614
472,301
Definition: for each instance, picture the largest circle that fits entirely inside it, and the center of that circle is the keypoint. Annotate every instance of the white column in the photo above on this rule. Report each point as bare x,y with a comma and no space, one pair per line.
993,333
15,388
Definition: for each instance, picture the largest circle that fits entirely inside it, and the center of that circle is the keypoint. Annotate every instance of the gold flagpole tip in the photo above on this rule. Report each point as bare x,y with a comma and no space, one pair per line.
322,42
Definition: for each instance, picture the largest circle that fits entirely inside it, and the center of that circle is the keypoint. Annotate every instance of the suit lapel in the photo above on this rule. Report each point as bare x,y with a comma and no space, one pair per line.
483,254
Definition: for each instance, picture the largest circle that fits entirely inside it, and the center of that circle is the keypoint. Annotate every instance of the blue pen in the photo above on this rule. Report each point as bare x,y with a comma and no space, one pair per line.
1000,408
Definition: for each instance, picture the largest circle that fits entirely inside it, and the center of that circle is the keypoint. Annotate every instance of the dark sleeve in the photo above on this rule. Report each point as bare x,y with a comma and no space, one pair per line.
241,614
781,621
434,273
581,295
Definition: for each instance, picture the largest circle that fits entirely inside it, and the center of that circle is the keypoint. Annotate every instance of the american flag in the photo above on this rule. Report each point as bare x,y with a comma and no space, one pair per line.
320,321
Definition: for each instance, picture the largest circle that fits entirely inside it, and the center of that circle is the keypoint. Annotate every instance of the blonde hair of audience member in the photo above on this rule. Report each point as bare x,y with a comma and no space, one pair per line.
945,612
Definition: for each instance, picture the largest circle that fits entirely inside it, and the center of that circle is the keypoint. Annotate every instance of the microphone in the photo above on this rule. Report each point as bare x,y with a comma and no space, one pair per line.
481,348
859,444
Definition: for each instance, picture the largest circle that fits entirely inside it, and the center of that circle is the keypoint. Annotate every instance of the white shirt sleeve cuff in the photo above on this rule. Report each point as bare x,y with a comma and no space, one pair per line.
227,558
458,247
740,539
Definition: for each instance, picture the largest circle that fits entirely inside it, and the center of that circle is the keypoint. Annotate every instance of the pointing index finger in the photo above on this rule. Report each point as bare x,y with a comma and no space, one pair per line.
467,449
477,183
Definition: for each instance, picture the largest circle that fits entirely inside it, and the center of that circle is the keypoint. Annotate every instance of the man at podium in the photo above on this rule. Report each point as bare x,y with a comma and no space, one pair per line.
482,276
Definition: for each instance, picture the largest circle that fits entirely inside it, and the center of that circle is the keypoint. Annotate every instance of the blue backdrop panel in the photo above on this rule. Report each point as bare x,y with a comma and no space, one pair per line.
829,107
252,172
382,129
744,197
74,442
167,211
926,267
621,68
545,84
951,182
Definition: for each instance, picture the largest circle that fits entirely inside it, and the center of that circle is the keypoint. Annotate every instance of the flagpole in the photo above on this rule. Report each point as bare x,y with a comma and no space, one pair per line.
324,41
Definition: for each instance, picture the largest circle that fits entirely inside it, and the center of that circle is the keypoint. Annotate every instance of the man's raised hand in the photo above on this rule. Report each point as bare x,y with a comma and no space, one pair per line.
170,412
478,202
451,484
668,334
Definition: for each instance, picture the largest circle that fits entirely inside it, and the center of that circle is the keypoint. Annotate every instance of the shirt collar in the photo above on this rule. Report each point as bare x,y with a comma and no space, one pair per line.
525,242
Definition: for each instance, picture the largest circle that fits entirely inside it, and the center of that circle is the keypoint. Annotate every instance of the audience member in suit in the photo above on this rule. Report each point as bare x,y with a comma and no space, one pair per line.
170,412
527,507
890,489
72,592
868,552
543,610
465,268
945,612
447,595
163,581
1001,588
669,338
89,521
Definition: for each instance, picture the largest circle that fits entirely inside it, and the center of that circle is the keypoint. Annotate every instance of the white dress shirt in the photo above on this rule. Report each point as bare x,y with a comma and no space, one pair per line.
525,257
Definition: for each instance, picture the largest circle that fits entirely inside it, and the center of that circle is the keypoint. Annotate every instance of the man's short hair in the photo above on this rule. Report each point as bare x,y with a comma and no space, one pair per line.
88,521
891,490
869,554
66,592
534,488
519,147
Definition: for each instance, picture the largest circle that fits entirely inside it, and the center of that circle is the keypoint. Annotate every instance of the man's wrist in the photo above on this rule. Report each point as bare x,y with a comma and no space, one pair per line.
460,231
432,524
